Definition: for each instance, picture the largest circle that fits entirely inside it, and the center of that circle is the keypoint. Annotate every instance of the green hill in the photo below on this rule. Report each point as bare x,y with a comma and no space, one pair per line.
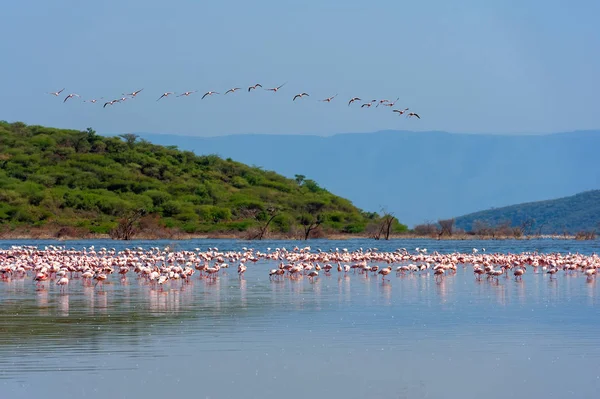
577,213
80,183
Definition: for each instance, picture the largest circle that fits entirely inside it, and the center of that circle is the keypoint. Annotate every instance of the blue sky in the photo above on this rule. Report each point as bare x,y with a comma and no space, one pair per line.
464,66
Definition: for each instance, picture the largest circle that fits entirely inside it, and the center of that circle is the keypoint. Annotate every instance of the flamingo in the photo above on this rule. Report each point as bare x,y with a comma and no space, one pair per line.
112,102
209,93
519,274
57,93
274,89
70,96
400,111
62,282
232,90
167,94
254,87
368,105
187,93
390,104
241,269
384,272
328,99
93,101
353,99
411,114
299,96
381,102
133,94
312,275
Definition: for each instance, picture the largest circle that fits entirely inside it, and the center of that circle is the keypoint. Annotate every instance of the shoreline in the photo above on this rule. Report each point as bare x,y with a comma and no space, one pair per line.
45,234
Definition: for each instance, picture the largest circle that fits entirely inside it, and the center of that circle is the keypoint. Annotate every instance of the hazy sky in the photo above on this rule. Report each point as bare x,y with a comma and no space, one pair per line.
464,66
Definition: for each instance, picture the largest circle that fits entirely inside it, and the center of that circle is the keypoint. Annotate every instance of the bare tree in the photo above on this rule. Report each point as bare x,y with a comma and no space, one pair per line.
446,227
126,228
310,223
426,229
272,212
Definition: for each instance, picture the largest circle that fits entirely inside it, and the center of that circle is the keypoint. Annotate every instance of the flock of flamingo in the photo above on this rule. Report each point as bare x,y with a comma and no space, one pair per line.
160,267
134,94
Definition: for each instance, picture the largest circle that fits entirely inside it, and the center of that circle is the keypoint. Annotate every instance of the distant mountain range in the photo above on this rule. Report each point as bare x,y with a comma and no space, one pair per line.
580,212
420,176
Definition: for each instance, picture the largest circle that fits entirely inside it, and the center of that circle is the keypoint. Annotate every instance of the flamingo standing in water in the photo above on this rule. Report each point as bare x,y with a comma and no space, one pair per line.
384,272
519,274
63,282
241,269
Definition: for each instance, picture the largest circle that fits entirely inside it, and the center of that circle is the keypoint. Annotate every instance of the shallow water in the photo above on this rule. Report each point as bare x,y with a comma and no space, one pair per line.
339,337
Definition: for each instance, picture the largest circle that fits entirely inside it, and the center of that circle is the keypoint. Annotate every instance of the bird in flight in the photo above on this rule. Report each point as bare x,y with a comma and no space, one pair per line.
56,93
167,94
328,99
187,93
300,96
209,93
411,114
353,99
274,89
381,102
389,104
232,90
254,87
70,96
135,93
111,103
93,101
400,111
368,105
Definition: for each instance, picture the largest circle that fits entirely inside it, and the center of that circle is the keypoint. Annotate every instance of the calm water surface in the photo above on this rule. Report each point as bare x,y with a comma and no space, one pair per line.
339,337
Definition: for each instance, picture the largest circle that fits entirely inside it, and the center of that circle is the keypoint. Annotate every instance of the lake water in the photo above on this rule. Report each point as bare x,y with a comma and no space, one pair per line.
337,337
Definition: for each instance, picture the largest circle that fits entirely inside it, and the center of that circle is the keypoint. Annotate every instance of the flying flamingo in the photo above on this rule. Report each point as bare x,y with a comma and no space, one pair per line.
390,104
274,89
187,93
167,94
56,93
135,93
411,114
112,102
254,87
400,111
232,90
300,96
328,99
368,105
382,102
70,96
209,93
93,101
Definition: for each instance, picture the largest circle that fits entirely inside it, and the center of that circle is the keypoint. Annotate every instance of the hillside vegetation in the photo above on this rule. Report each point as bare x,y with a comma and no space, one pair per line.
574,214
56,179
